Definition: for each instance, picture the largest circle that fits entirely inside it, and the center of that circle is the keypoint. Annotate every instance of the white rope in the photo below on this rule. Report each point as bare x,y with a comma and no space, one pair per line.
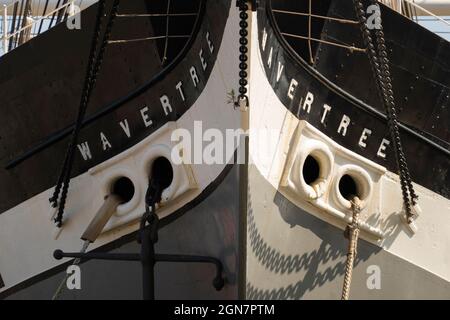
353,233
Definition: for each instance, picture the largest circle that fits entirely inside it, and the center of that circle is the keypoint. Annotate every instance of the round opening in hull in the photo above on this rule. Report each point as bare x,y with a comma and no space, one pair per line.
311,170
348,187
162,172
124,188
352,180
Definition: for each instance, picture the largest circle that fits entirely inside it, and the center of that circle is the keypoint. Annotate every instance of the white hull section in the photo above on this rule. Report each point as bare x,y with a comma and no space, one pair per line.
28,235
279,161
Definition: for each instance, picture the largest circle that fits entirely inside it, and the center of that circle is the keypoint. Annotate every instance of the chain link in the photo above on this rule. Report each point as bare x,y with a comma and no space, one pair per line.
379,62
243,51
95,62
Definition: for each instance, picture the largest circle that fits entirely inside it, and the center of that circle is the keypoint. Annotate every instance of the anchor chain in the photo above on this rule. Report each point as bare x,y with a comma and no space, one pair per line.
352,233
94,65
152,196
242,100
379,62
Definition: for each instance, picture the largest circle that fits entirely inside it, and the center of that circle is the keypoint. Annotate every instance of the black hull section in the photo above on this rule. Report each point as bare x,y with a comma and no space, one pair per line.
360,127
419,61
134,97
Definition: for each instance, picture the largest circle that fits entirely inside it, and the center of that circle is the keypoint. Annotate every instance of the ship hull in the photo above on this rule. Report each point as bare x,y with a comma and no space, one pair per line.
294,254
123,139
296,247
115,280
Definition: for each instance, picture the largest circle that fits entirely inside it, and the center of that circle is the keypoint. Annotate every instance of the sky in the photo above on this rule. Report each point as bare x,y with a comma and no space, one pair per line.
438,27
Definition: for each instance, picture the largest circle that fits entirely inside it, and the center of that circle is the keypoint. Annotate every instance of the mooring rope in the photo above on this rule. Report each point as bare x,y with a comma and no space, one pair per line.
352,233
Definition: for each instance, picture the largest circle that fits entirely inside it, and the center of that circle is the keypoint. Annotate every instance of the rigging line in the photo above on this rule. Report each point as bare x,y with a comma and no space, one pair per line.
62,13
61,134
37,14
311,60
145,39
17,23
54,14
351,48
90,84
22,21
331,38
316,16
166,42
336,89
86,88
43,15
432,19
137,15
43,18
13,23
416,6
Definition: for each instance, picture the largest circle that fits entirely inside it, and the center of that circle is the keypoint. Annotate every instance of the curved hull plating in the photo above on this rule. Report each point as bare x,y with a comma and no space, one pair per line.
295,241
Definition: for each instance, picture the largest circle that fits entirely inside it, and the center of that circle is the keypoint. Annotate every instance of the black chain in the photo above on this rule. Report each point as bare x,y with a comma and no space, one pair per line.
94,65
152,197
99,18
243,50
380,67
382,51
